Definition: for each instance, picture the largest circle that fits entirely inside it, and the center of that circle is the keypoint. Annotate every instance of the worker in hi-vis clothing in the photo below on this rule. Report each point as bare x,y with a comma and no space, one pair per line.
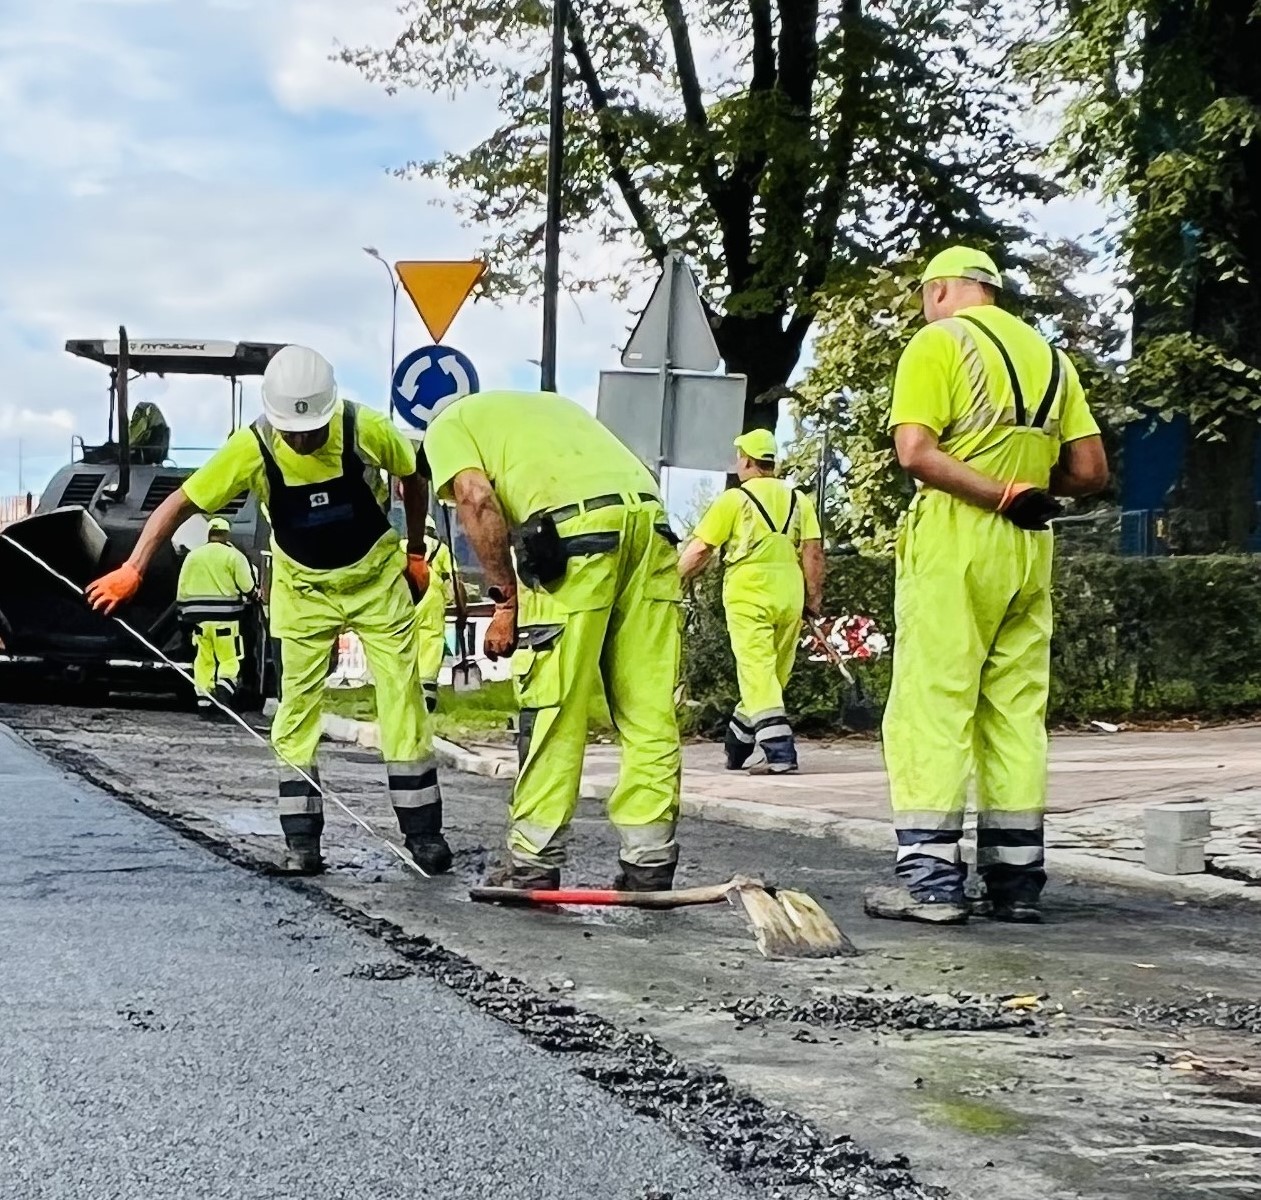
992,422
772,550
431,613
592,608
215,581
316,462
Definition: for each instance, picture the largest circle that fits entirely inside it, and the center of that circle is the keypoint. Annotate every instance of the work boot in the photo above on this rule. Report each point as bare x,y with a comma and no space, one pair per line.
430,853
632,878
738,745
1017,912
774,756
897,904
422,836
225,692
523,877
302,843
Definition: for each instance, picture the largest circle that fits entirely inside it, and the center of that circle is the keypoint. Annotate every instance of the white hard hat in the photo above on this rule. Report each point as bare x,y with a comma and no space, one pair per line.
299,391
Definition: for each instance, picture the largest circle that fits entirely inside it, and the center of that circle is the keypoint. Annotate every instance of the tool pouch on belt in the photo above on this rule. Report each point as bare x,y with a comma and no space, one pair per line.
541,554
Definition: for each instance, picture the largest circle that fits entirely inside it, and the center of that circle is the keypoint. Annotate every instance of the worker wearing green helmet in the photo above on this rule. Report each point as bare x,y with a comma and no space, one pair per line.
992,423
772,551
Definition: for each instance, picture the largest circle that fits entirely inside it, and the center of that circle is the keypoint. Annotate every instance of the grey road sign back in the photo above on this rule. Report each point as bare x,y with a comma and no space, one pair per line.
702,415
673,324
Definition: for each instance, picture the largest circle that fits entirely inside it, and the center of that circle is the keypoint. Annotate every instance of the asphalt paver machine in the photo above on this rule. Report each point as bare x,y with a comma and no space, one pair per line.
87,522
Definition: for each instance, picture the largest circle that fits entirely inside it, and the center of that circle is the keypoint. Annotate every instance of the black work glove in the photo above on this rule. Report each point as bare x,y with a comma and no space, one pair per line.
1031,508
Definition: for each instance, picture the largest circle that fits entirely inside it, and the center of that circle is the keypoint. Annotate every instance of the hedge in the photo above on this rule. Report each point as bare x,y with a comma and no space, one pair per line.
1135,637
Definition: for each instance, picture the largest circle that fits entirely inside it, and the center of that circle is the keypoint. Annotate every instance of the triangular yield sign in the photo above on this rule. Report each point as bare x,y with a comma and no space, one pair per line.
438,289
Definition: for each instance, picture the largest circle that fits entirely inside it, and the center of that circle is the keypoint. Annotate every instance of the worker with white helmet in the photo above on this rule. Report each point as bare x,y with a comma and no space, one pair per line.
317,463
216,583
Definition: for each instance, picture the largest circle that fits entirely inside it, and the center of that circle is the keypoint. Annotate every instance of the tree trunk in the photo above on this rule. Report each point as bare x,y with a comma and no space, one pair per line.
758,348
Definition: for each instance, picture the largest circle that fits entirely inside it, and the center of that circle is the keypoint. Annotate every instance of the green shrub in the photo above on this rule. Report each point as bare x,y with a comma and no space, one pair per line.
1134,637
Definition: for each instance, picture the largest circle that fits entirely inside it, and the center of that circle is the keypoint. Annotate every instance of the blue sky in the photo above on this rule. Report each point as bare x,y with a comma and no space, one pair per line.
198,168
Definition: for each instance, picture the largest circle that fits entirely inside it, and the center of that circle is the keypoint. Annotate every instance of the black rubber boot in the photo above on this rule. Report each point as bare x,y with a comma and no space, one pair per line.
422,837
738,744
632,878
524,878
1014,893
302,843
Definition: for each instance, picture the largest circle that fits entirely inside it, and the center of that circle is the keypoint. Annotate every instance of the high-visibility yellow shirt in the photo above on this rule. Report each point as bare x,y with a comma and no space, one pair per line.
238,466
215,571
539,451
734,522
952,379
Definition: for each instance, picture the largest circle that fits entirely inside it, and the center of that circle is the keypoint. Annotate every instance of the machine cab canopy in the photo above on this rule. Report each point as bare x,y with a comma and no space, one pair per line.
179,356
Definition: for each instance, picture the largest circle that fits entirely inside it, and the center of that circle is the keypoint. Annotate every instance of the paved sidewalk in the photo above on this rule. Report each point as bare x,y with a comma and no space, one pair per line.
1100,784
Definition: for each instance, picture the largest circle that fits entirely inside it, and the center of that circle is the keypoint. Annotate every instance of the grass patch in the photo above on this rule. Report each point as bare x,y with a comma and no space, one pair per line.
484,715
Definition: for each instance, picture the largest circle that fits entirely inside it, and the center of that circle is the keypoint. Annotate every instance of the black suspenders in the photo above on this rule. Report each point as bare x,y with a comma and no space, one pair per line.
1052,387
792,508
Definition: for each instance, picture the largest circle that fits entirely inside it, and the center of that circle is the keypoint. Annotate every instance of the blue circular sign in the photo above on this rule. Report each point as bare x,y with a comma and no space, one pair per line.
428,375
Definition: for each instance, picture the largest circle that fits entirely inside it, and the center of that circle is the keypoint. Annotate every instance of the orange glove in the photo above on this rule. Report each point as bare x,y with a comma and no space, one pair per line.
418,573
118,587
501,633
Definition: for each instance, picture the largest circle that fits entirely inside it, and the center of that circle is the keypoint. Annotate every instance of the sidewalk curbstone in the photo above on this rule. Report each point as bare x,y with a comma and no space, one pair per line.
863,833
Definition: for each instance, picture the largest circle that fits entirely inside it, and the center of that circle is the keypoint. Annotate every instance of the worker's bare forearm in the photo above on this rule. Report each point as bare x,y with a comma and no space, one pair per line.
486,527
166,519
938,470
813,568
1082,469
694,559
415,491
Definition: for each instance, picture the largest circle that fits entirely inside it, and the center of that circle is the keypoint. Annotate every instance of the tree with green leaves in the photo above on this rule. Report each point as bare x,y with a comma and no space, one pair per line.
864,325
1163,113
782,145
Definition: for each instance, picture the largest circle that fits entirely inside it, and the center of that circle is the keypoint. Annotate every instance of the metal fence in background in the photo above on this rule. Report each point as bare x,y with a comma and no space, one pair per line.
1136,532
14,508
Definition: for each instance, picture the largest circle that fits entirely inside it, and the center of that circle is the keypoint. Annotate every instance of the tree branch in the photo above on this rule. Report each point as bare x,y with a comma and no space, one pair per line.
763,54
685,65
611,143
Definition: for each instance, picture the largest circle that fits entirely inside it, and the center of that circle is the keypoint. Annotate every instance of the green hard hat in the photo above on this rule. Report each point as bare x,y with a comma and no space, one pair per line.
962,262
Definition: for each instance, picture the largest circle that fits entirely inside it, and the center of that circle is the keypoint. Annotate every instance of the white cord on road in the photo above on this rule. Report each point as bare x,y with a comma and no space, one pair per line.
322,792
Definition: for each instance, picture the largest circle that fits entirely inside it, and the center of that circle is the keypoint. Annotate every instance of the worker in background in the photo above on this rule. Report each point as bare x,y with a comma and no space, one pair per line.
215,581
431,613
316,462
993,424
593,607
769,538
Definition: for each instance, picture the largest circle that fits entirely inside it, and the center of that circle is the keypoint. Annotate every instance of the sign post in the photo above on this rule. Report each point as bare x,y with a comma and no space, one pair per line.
670,408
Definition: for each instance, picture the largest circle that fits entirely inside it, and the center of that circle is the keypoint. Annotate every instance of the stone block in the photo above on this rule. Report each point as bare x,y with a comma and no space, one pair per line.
1174,858
1177,823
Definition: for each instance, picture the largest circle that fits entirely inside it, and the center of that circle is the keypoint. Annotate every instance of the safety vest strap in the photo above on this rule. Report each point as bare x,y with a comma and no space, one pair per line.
1052,389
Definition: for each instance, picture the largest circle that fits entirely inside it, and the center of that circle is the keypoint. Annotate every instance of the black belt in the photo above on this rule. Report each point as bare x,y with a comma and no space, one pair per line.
567,512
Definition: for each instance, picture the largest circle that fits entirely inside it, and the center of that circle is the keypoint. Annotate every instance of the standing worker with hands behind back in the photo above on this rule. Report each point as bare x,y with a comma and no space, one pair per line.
772,547
992,422
315,462
596,610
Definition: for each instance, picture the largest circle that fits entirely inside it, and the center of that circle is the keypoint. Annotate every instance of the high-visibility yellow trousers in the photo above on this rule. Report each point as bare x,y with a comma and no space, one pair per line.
308,620
613,624
217,657
431,641
971,674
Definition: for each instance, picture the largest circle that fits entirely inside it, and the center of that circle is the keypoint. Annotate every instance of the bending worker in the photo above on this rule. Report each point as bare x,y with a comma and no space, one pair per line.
315,462
431,613
215,582
992,423
593,609
772,548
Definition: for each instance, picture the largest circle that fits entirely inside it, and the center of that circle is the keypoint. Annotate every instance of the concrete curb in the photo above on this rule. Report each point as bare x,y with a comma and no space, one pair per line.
859,832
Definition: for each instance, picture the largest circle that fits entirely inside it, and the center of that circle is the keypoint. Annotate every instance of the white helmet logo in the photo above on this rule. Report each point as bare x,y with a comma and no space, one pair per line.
300,406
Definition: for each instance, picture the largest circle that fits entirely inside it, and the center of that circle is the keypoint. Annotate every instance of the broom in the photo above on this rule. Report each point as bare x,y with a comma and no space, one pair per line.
784,923
857,713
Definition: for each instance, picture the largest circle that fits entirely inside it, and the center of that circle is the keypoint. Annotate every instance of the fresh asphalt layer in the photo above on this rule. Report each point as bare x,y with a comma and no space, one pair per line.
171,1026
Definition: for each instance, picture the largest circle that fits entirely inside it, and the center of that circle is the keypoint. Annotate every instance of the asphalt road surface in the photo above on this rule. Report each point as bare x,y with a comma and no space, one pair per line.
171,1026
1135,1075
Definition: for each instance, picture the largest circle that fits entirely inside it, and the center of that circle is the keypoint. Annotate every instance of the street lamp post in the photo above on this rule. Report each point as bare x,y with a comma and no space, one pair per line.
555,173
373,252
